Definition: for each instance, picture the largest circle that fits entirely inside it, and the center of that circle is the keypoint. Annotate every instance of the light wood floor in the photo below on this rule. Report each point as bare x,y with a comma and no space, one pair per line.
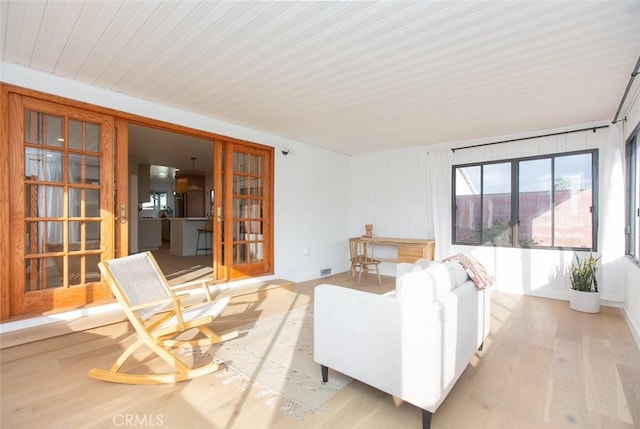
543,366
179,269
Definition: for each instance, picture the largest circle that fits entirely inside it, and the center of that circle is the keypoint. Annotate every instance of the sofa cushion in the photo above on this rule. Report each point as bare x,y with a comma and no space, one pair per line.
425,285
474,268
403,268
421,264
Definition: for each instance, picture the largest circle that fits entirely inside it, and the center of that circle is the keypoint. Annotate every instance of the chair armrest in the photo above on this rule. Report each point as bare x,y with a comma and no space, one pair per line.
193,284
168,300
196,284
179,297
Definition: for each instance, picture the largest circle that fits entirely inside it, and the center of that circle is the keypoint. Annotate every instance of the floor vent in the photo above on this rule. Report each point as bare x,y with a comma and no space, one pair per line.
325,272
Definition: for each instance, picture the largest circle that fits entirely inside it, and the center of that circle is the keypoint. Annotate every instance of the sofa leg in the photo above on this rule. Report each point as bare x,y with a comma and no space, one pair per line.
325,373
426,419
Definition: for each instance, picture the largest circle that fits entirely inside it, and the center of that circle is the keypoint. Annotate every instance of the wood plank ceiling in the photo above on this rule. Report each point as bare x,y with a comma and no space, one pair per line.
352,77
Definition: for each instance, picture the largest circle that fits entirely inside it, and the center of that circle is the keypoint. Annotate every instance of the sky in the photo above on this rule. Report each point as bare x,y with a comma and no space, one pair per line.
534,175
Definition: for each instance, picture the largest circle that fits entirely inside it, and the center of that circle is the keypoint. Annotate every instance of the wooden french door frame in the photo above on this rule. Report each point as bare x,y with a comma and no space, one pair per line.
69,294
228,265
119,228
220,271
5,229
122,211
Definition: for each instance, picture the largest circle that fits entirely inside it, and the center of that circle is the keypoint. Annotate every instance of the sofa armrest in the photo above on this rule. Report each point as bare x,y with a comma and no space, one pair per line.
389,344
402,268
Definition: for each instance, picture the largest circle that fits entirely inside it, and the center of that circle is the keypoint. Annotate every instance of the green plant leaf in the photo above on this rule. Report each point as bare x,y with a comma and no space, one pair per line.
582,274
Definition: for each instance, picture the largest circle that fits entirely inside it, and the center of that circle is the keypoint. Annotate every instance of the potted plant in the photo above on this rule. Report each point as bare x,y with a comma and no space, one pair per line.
584,295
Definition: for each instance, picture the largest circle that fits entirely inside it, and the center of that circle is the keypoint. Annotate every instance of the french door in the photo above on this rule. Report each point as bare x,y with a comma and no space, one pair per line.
243,199
61,204
67,202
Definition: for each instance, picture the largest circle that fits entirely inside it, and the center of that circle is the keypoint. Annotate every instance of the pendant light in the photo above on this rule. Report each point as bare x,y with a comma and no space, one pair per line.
193,186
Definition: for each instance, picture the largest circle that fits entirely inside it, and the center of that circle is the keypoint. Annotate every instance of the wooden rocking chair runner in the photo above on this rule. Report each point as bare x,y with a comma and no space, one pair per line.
158,315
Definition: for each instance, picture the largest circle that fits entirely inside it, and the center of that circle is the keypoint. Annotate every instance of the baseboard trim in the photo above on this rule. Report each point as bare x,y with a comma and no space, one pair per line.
635,332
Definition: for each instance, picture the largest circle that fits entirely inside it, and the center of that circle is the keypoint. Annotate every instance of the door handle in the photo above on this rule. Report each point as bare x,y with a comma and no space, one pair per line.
219,214
123,214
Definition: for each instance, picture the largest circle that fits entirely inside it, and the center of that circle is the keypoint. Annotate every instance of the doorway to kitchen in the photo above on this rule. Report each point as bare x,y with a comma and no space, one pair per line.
204,203
171,198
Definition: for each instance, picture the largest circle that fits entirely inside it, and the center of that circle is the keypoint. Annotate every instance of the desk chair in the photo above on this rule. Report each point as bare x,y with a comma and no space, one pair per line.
360,261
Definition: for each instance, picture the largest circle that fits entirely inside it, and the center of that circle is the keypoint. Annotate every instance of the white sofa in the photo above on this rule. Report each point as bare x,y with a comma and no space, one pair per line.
413,342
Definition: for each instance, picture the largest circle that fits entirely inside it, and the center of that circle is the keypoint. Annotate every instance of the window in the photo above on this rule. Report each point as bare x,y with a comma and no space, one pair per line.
633,197
157,201
543,202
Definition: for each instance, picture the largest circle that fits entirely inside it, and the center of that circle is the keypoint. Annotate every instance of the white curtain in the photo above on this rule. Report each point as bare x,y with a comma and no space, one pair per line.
612,215
439,167
50,200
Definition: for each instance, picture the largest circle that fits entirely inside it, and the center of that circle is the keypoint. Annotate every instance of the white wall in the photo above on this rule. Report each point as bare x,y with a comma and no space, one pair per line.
312,212
311,184
631,270
391,190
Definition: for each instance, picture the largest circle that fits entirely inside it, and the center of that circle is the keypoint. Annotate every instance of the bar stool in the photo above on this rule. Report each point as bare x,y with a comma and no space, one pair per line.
207,231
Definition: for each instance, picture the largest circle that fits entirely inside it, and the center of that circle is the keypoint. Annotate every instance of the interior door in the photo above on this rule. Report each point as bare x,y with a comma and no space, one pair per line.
244,210
62,204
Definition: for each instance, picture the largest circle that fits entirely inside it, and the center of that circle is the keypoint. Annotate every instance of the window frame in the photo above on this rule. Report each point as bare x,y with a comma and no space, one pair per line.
155,202
515,199
632,196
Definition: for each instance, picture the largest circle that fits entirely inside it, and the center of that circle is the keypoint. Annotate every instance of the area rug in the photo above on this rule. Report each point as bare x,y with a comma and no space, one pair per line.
276,354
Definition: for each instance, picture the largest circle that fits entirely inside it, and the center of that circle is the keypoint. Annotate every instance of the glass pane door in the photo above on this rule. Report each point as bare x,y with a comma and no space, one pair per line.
67,206
245,210
62,184
248,205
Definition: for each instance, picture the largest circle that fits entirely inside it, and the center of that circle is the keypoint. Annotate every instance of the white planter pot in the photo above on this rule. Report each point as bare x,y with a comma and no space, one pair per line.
588,302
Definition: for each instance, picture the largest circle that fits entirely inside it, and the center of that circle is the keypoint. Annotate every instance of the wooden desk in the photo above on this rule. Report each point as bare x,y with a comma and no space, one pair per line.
409,249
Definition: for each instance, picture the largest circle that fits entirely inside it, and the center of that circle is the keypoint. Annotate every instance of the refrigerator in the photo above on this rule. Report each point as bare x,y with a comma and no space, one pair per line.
180,205
189,204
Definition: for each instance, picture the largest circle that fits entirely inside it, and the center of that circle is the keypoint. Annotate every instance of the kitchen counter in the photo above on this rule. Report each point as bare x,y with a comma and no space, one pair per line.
184,235
149,234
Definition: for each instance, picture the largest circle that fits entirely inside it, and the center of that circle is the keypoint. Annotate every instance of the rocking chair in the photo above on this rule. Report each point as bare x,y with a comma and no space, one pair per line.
158,315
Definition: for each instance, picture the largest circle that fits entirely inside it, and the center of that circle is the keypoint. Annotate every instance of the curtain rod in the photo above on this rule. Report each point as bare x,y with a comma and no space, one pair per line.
626,92
530,137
